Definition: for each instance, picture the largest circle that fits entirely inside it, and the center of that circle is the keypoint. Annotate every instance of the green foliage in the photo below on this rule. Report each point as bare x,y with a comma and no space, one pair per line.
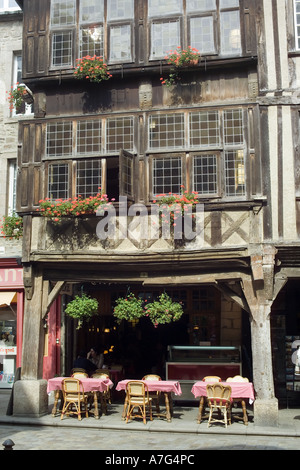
82,308
16,97
12,227
55,210
128,308
163,310
93,69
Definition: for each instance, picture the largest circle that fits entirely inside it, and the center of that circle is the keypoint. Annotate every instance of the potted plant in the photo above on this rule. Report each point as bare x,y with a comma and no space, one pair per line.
93,69
59,208
175,204
16,96
12,227
82,308
163,310
178,59
128,308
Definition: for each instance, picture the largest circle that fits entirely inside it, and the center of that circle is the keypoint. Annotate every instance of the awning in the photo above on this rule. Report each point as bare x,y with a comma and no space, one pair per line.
7,298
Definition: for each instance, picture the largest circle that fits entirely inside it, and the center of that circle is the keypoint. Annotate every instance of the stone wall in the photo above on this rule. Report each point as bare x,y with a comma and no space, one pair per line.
11,43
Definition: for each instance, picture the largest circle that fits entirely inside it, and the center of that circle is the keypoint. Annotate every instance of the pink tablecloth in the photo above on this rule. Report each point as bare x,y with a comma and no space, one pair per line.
156,386
238,389
89,384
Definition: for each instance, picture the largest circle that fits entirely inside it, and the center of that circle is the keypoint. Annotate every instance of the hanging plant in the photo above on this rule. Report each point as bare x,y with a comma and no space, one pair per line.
12,227
82,308
128,308
93,69
178,59
163,310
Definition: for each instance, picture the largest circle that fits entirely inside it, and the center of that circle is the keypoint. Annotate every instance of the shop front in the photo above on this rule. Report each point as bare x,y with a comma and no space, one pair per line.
11,320
185,350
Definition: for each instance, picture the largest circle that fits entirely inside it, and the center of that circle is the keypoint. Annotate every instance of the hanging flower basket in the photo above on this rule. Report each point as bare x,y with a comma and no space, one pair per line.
164,310
82,308
179,59
93,69
128,308
175,204
12,227
16,96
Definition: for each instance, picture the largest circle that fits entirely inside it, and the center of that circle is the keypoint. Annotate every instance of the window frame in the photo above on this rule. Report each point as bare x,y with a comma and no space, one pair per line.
169,155
222,147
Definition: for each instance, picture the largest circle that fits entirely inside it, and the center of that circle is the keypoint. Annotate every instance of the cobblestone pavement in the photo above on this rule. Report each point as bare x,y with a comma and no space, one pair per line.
53,438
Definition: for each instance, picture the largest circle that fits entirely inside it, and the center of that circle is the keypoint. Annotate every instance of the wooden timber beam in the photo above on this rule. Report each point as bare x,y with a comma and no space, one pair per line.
49,297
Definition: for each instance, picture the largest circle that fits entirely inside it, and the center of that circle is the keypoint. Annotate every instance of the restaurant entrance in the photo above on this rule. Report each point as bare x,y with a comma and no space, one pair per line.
208,319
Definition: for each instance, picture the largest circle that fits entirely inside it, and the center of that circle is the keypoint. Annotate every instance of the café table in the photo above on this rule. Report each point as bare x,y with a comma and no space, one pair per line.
167,387
242,390
92,385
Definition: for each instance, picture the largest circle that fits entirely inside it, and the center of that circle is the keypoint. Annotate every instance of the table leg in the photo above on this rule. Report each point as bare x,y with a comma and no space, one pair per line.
96,411
57,395
245,416
169,406
201,404
125,407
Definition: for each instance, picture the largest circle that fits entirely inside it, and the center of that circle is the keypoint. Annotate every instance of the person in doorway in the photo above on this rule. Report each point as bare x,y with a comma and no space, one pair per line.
96,357
83,363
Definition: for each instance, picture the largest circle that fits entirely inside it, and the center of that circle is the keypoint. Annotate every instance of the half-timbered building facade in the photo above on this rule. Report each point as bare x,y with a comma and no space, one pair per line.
228,130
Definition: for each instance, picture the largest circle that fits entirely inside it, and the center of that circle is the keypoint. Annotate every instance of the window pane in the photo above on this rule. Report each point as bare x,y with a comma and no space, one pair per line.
88,178
204,129
297,23
200,5
229,3
88,137
127,175
166,131
159,8
91,11
167,175
233,127
119,134
91,41
120,9
165,36
58,181
202,34
63,12
59,139
205,174
230,32
62,49
120,43
234,173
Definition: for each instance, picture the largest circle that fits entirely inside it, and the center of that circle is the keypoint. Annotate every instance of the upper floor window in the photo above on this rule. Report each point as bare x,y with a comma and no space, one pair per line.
84,32
207,145
17,80
211,27
297,23
12,187
107,28
8,5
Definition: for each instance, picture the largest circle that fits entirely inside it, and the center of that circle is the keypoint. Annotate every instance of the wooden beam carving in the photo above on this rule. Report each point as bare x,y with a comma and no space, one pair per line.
49,299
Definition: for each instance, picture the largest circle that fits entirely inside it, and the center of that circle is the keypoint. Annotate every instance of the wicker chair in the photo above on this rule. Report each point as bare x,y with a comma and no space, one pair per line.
73,394
239,378
219,399
77,369
105,397
78,375
154,395
211,378
138,397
